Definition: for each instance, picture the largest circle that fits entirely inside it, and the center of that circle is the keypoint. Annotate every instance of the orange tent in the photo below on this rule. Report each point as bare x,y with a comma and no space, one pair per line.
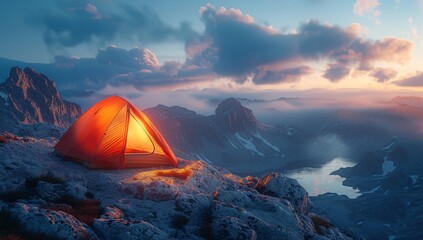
115,134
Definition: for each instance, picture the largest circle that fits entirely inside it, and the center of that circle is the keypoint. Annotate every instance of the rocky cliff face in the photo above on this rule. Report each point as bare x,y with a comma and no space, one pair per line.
33,98
230,114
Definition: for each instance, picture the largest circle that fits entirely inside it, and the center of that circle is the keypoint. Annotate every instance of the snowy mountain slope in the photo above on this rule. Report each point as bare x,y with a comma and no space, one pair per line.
195,201
232,136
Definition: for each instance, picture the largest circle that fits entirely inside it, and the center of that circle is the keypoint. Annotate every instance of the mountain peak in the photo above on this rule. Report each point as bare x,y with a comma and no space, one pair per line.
232,115
170,112
33,98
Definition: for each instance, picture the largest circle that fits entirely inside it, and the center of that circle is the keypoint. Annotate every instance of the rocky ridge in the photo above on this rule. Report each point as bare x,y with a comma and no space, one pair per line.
30,97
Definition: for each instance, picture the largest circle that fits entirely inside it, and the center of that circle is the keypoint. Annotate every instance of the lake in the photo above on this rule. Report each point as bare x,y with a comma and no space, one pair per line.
319,181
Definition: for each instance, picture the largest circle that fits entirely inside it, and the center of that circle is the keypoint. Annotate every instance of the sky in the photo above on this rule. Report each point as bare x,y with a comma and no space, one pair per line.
226,45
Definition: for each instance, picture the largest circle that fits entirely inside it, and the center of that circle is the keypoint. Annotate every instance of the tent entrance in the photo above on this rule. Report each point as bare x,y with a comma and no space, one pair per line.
138,140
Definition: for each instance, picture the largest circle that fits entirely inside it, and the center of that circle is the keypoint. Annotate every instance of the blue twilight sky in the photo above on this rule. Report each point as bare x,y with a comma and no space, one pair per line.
236,43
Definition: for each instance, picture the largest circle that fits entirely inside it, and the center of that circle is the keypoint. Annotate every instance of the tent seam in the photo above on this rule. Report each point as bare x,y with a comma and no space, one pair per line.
101,140
126,133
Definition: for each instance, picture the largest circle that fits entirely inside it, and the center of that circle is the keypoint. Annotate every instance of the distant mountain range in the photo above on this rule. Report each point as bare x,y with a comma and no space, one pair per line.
233,132
233,135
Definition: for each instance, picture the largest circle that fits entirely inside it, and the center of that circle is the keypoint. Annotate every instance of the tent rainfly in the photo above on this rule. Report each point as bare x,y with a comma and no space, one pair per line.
115,134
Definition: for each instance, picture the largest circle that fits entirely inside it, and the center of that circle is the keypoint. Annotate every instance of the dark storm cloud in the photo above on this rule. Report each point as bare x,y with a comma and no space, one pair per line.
234,45
75,23
383,74
316,40
137,67
286,75
336,72
412,81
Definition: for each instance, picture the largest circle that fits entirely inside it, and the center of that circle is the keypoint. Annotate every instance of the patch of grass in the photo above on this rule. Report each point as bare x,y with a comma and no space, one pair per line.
85,210
32,182
179,221
177,173
12,229
319,222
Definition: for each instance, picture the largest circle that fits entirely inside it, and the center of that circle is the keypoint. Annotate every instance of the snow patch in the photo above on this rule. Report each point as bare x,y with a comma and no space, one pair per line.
387,166
258,135
4,96
248,144
389,146
373,190
233,145
414,178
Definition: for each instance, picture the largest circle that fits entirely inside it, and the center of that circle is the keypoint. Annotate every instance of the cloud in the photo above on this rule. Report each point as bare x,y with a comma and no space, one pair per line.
383,74
389,49
136,58
79,22
288,75
234,45
367,7
169,75
336,72
362,7
411,81
137,67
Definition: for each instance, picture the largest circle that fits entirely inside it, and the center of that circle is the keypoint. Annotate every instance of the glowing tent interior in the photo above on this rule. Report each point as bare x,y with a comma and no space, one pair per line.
115,134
